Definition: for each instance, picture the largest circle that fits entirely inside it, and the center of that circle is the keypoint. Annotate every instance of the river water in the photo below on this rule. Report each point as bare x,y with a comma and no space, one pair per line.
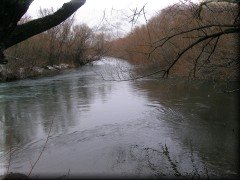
148,127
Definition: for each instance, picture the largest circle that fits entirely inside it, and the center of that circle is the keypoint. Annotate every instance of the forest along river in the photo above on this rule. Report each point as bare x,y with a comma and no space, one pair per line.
145,127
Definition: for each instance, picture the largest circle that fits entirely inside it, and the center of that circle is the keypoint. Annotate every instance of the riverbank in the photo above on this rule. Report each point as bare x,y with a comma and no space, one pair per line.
13,72
8,75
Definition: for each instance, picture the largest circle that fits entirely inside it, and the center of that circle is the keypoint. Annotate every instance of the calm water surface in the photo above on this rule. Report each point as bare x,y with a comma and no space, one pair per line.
101,127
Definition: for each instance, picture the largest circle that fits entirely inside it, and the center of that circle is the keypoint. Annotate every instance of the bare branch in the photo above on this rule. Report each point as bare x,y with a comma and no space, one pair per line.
215,35
198,57
45,144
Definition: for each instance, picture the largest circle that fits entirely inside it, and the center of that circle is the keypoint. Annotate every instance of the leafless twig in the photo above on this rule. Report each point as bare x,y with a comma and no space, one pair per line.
45,144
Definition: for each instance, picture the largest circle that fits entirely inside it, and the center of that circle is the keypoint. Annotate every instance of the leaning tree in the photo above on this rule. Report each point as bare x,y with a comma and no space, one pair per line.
11,11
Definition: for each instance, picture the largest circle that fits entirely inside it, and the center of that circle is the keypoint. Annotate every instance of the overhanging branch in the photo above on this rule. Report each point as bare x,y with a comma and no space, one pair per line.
10,13
214,35
27,30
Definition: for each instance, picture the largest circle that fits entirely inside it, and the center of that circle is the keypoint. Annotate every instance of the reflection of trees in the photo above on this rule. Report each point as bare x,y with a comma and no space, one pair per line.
198,113
15,123
28,117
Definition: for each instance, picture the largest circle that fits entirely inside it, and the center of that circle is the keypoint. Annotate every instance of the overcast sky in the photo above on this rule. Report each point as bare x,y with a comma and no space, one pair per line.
117,11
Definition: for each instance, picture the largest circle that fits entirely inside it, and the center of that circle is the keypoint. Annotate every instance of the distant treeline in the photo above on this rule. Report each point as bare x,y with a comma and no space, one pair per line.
157,43
154,45
66,45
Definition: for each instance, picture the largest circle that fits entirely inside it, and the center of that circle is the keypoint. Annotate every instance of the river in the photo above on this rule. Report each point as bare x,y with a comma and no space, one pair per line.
147,127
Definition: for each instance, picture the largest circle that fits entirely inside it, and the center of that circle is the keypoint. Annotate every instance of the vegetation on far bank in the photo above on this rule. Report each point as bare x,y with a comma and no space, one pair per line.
67,45
186,39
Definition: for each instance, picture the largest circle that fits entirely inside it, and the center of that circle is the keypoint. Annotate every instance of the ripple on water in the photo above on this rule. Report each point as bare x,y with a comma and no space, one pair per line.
104,127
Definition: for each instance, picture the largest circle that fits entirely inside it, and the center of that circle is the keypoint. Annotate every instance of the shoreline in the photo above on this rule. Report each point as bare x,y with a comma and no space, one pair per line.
35,72
7,75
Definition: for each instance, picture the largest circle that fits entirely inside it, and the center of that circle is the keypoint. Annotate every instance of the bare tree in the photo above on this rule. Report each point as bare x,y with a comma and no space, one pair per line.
200,39
206,33
56,37
81,43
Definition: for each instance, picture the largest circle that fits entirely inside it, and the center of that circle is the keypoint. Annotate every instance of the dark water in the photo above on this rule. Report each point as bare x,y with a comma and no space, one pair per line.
140,128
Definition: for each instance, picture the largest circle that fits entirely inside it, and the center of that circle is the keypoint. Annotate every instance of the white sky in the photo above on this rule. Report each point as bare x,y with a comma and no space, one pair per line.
117,11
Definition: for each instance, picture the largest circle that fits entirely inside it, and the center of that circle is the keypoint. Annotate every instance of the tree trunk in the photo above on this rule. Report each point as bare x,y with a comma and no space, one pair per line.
11,12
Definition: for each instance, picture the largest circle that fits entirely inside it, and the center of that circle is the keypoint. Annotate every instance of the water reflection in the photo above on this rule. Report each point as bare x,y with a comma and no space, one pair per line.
117,127
24,107
76,101
201,115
